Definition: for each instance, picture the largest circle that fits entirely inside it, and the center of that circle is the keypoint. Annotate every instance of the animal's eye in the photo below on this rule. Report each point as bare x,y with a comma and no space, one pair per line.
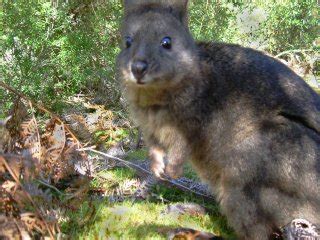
128,41
166,43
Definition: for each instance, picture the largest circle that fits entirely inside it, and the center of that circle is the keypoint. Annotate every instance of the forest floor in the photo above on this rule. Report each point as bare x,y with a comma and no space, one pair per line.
55,185
99,201
120,215
113,208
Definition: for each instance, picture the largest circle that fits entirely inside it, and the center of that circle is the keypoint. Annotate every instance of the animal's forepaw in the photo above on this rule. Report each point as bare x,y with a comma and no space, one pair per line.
157,165
158,168
174,171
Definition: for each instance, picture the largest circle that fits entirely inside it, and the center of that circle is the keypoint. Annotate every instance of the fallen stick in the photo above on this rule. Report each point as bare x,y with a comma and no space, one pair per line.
144,171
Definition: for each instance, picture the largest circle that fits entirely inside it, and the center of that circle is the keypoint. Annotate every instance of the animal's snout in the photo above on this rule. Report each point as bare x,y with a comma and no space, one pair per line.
139,69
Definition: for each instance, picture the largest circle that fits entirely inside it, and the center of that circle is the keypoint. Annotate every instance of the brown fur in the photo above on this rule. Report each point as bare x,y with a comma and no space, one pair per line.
248,124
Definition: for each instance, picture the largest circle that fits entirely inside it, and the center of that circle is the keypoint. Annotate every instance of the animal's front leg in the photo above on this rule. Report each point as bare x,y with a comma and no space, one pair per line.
157,165
175,160
169,160
170,164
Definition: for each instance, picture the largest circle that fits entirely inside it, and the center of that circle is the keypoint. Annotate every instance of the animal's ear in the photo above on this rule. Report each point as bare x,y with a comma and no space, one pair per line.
176,7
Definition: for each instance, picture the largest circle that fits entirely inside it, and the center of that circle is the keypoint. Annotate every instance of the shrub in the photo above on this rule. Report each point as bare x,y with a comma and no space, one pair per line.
53,49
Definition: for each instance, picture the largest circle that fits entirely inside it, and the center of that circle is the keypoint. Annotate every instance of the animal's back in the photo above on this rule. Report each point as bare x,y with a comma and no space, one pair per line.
254,73
263,146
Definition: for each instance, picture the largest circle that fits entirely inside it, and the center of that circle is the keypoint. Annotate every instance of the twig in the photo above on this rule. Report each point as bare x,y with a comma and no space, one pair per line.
38,211
50,186
40,107
127,163
135,166
38,134
294,51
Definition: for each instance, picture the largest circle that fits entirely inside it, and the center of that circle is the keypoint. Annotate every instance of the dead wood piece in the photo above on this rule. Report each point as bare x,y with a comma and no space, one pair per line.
301,229
190,234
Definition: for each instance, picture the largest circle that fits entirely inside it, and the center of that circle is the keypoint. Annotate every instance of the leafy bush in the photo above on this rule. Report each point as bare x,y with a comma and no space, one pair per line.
272,26
291,25
53,49
212,21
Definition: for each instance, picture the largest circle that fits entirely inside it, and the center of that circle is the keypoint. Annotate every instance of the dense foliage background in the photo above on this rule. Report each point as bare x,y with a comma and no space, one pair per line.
53,49
55,177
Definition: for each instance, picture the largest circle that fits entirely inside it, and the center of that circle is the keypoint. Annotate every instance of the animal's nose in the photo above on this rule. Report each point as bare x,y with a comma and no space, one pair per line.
139,69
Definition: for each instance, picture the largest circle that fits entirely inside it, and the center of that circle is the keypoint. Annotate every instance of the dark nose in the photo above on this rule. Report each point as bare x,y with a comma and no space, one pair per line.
139,69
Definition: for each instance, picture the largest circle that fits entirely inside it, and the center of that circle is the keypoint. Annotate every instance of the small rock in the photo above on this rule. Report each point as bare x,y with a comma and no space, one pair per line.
301,229
185,208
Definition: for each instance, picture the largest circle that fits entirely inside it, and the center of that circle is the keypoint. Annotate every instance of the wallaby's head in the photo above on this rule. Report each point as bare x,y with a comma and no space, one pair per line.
158,49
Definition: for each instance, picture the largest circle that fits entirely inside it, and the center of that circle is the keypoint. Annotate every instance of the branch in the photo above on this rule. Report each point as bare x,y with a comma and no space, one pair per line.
294,51
40,107
166,179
